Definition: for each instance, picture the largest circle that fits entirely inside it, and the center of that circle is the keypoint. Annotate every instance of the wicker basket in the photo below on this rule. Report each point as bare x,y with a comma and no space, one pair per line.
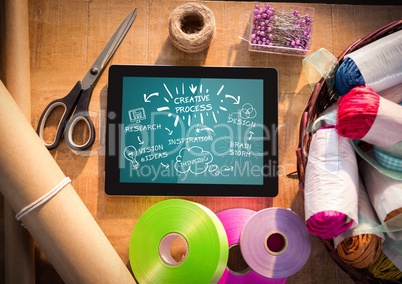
319,100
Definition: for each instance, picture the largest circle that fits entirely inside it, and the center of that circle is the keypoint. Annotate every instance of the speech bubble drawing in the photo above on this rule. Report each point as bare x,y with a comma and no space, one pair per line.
194,159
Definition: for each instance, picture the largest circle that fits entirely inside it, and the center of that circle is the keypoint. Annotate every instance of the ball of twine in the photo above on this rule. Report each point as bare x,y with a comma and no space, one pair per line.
191,27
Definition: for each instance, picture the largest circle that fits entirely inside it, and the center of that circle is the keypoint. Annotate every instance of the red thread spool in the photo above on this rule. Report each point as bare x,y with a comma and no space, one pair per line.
365,115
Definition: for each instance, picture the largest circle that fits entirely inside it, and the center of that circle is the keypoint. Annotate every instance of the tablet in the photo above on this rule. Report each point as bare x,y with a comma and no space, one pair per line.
192,131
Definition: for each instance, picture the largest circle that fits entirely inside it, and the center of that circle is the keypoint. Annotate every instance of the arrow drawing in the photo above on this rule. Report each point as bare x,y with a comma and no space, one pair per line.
237,101
207,129
251,135
227,169
146,98
170,132
193,88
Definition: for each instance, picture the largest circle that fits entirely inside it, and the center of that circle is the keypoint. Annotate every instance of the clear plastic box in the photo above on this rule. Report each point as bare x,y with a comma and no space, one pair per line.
279,28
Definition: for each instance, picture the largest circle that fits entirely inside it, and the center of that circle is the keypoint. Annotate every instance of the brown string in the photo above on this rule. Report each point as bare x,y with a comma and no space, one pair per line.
384,269
191,27
360,251
393,214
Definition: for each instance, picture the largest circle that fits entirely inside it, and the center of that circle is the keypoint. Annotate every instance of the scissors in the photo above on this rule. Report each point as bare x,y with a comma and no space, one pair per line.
77,100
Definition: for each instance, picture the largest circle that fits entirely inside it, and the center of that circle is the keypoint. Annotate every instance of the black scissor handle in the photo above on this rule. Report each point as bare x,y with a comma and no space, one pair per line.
68,103
81,114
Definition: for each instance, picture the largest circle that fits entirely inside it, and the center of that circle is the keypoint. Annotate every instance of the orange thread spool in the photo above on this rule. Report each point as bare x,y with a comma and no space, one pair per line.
360,251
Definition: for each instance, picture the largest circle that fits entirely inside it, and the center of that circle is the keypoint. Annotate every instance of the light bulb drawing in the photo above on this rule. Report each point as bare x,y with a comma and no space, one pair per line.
130,153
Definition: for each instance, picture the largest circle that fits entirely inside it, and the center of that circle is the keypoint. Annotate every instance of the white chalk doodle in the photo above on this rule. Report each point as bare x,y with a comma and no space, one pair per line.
251,133
136,115
130,153
236,100
227,169
214,169
194,159
201,128
146,98
139,140
192,102
170,132
248,111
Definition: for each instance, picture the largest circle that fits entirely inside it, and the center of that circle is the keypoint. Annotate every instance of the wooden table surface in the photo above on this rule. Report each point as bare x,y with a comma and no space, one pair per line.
67,35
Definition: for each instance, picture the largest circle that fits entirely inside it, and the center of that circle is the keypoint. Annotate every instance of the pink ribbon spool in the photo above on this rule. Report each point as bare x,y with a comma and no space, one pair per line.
233,221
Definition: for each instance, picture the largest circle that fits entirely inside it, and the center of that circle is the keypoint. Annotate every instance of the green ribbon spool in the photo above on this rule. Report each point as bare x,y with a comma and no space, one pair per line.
205,254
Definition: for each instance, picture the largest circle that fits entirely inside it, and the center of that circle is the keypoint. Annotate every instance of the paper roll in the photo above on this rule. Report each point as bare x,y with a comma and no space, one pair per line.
233,221
275,242
393,94
19,247
380,62
63,227
368,219
393,250
387,127
204,251
332,180
386,198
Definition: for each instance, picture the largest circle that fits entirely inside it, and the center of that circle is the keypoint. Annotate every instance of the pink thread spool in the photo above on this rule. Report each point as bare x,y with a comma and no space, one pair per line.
331,185
365,115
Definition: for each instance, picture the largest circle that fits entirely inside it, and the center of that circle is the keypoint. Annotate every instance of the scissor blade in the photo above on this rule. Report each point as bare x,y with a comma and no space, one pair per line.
108,51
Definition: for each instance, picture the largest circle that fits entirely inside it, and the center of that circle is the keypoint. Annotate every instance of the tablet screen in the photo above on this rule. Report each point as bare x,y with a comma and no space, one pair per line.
191,131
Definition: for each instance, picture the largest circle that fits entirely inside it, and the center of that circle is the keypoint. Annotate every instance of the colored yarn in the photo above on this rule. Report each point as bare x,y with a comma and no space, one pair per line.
328,224
360,251
384,269
365,115
348,76
357,111
376,65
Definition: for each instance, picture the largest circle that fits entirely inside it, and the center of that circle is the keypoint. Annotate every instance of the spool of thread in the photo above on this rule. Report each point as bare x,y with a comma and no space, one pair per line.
191,27
331,185
384,269
237,270
376,65
348,76
178,241
359,248
385,196
365,115
275,242
360,251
